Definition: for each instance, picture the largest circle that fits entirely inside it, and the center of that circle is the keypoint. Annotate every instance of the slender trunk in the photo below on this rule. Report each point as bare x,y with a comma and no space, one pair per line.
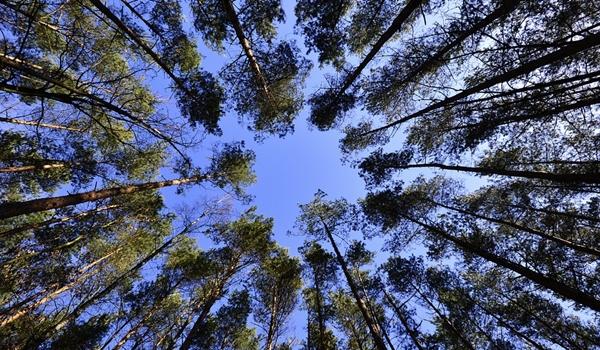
587,178
49,222
134,329
75,98
37,124
55,293
308,340
373,312
214,296
35,341
30,168
493,123
11,209
138,41
444,319
396,26
544,323
557,287
555,212
506,325
272,327
567,243
199,323
245,44
321,318
409,330
566,51
373,328
437,58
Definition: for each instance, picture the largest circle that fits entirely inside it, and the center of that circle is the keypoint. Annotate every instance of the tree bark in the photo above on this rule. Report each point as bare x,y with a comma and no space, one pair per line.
36,340
138,41
567,243
49,222
30,168
566,51
445,319
409,330
507,7
247,48
12,209
396,26
588,178
37,124
373,328
557,287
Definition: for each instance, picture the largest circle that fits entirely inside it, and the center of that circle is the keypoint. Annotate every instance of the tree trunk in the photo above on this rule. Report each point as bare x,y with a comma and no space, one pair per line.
199,323
138,41
49,222
37,124
557,287
373,328
587,178
30,168
271,332
149,314
568,50
396,26
445,319
36,340
574,246
506,325
245,44
11,209
321,319
507,7
57,292
411,332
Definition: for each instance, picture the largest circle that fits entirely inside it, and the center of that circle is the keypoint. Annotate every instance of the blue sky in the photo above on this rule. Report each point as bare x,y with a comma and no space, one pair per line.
289,170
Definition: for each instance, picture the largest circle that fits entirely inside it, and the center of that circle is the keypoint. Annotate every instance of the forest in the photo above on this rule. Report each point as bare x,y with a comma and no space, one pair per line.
181,174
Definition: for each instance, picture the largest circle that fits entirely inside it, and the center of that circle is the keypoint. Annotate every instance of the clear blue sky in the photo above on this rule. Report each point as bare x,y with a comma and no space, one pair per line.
289,170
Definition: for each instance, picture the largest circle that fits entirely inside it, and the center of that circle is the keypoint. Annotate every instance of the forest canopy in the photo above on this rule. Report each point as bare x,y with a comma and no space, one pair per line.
128,217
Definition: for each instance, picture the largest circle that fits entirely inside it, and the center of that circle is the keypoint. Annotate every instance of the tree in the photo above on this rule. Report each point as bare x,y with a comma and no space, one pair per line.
321,218
320,268
265,82
275,286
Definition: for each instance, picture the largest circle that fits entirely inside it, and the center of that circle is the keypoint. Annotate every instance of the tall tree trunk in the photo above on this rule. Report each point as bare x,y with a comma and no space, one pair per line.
550,327
490,124
446,322
557,287
11,209
37,124
36,340
586,178
57,292
138,325
272,326
245,44
564,242
396,26
138,41
504,9
199,323
49,222
567,50
30,168
508,326
409,330
373,327
320,316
